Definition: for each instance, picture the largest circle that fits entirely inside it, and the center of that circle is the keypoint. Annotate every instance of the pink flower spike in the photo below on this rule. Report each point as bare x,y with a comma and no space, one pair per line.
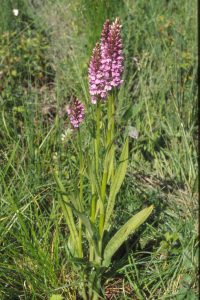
111,54
96,86
76,112
106,64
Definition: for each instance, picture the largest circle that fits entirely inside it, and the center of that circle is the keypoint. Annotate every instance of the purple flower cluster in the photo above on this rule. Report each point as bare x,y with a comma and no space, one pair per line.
76,112
105,70
96,80
106,65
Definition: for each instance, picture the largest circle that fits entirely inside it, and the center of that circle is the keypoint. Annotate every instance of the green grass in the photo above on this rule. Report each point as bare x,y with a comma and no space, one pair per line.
158,98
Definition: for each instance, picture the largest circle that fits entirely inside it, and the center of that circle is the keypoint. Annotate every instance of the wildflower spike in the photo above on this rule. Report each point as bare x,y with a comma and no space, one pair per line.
106,65
76,112
96,82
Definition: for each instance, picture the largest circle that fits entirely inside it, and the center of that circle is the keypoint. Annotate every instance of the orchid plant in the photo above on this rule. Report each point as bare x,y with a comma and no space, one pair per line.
105,175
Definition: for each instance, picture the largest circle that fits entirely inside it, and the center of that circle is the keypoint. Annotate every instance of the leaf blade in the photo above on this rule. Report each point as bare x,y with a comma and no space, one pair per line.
122,234
90,228
116,183
67,212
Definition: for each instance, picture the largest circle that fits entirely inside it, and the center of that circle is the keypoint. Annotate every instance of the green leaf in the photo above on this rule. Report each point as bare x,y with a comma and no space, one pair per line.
116,183
122,234
111,162
90,228
71,246
56,297
93,177
108,168
67,211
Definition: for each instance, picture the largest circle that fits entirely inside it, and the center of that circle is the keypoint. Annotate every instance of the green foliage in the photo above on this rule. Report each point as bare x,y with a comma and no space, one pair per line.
67,211
56,297
123,233
24,62
116,183
8,21
158,99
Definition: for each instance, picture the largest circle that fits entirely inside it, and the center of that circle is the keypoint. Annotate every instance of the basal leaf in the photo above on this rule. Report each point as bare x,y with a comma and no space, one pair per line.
122,234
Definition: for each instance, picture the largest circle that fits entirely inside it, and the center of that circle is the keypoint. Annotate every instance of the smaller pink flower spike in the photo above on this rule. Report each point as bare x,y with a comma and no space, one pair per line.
96,82
76,112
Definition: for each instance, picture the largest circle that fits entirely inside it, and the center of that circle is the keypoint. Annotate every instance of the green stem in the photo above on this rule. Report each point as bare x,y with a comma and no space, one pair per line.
81,171
97,145
101,226
112,131
97,137
111,119
80,237
83,289
91,252
95,297
92,218
93,209
108,164
103,184
80,187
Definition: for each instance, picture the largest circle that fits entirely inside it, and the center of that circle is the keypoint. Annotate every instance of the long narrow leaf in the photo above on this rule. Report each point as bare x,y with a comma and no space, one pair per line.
122,234
111,163
117,182
108,168
67,211
90,228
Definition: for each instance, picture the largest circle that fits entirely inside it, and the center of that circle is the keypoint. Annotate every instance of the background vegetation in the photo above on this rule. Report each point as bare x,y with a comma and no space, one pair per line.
44,55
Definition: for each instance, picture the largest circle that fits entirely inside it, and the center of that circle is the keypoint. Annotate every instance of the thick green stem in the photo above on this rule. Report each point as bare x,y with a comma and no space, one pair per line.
80,188
97,145
103,184
111,119
80,171
97,137
80,237
93,209
101,226
92,218
95,296
109,164
112,133
83,289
